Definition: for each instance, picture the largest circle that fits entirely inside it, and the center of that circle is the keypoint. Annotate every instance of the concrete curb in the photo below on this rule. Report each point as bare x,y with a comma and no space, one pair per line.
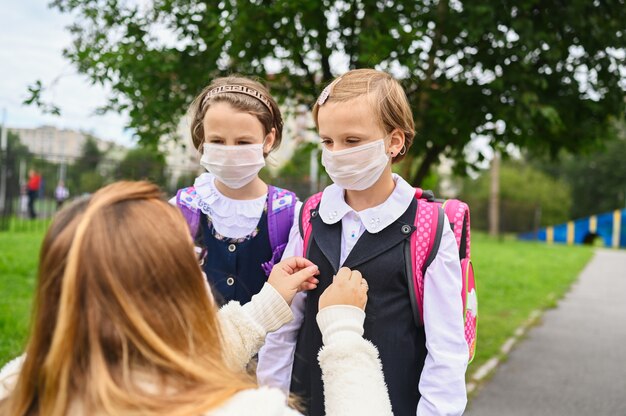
486,369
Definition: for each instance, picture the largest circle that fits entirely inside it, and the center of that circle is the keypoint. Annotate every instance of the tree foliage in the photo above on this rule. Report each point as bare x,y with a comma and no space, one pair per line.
597,180
529,198
84,175
143,163
541,75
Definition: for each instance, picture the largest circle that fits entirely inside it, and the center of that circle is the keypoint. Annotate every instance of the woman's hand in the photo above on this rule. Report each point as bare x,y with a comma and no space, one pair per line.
348,288
293,275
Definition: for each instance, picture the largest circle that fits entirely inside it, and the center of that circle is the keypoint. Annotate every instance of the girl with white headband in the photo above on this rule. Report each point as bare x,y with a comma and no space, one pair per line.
240,224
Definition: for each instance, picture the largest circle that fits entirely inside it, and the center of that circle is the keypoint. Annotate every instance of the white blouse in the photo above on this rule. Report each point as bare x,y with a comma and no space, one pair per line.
442,383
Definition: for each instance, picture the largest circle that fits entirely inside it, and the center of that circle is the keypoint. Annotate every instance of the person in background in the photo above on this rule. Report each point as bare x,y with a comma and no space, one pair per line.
32,188
61,193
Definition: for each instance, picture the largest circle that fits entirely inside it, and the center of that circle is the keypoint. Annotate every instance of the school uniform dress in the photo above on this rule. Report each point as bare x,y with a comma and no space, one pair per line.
424,367
235,239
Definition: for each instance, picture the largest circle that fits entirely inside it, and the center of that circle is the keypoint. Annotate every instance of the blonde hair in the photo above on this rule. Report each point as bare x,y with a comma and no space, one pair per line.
121,300
385,94
265,109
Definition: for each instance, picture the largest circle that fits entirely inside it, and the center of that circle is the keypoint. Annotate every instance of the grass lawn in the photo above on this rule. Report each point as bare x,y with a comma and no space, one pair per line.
19,252
513,279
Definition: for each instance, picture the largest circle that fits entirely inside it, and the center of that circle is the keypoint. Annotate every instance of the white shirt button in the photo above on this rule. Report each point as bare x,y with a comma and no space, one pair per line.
232,248
230,281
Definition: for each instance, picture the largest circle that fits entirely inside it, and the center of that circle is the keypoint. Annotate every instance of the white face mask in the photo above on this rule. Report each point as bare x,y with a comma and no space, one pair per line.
357,168
234,166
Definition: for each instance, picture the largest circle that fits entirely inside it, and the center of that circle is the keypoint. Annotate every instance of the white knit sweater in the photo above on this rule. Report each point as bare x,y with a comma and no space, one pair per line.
351,370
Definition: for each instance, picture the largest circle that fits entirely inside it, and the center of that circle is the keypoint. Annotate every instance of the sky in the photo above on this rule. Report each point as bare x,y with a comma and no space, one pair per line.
32,38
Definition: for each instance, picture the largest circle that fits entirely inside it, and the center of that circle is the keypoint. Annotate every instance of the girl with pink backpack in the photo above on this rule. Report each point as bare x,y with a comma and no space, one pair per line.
373,221
240,224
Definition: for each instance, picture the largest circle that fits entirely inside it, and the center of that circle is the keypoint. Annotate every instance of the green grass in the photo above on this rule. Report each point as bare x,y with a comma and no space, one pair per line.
513,279
19,253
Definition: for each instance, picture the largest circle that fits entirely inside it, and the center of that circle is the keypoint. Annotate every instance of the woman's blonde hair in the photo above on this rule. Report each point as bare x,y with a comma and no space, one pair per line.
385,94
264,108
122,322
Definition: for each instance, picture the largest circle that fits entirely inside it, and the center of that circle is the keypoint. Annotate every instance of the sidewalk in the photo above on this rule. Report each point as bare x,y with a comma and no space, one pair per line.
574,362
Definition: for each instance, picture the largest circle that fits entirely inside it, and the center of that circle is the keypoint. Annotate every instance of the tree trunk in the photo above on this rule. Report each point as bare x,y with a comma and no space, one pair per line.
494,196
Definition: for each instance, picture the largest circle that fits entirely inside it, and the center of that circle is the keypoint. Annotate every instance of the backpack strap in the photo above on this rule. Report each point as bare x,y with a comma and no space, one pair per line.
185,199
424,247
309,208
459,216
281,205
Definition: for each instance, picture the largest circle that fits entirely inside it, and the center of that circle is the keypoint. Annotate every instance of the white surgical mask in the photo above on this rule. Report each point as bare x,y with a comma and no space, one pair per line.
357,168
234,166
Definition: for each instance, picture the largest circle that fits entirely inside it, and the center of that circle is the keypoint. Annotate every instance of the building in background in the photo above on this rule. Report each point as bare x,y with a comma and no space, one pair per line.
62,145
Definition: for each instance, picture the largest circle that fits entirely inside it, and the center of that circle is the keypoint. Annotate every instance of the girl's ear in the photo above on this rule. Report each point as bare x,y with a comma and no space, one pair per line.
268,142
396,143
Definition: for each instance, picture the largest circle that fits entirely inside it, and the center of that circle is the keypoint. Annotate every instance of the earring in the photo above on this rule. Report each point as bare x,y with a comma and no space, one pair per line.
403,150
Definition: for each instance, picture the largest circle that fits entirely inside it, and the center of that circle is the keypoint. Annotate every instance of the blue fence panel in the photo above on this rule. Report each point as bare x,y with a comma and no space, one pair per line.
542,235
560,233
605,228
581,229
622,234
528,236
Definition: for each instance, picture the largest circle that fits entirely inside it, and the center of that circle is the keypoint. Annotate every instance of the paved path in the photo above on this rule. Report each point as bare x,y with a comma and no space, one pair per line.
574,362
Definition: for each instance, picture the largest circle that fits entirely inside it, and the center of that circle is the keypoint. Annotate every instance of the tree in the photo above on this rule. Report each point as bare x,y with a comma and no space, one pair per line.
10,160
529,198
143,163
90,157
83,174
597,180
541,75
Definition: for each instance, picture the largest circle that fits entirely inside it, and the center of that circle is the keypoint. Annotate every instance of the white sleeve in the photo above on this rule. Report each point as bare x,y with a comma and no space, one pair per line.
244,327
276,355
9,375
352,373
442,383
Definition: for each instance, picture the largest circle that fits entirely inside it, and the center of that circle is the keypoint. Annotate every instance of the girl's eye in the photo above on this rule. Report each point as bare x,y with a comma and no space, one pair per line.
216,141
244,142
326,142
352,140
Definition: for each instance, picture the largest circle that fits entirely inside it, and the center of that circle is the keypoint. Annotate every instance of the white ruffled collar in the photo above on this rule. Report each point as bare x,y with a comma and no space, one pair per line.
214,203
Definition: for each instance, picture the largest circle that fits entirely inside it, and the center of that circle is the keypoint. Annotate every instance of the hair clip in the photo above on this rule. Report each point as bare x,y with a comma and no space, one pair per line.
326,92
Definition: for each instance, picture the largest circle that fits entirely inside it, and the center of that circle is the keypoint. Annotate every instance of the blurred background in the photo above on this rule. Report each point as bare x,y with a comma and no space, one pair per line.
519,109
523,97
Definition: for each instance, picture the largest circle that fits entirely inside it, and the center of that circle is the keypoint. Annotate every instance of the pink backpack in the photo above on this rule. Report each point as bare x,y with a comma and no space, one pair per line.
425,241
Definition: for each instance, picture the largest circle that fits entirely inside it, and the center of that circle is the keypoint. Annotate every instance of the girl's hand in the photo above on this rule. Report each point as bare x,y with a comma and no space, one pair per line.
348,288
293,275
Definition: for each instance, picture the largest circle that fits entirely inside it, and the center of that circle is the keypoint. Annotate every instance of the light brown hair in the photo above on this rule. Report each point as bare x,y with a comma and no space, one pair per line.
384,93
122,320
242,102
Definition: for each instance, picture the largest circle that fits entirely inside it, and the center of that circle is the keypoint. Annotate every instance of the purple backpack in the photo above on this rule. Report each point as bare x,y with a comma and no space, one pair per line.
280,208
424,246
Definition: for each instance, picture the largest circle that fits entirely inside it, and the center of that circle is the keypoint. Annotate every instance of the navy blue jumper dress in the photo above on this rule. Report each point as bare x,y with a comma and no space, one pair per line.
233,267
384,260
